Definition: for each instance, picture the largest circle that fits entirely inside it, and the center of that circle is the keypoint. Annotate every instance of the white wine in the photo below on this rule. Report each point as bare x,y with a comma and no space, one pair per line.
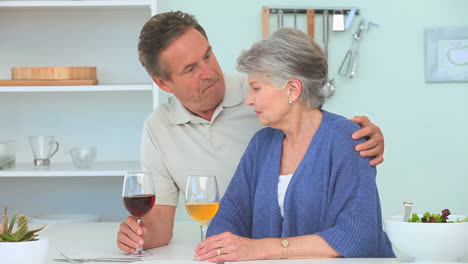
202,212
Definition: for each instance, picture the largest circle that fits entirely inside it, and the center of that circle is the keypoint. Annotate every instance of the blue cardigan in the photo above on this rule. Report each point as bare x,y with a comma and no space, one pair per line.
332,194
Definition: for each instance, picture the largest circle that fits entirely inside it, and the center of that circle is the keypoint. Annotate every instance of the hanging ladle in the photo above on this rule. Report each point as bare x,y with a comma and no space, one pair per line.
329,87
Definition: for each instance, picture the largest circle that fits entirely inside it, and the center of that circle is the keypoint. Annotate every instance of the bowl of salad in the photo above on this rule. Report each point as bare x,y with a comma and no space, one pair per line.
430,236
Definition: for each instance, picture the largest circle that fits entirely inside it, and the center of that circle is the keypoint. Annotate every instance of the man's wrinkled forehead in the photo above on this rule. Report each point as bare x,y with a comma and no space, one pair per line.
184,51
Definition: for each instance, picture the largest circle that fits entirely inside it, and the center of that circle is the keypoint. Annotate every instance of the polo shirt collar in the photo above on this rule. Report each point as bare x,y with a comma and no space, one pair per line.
233,96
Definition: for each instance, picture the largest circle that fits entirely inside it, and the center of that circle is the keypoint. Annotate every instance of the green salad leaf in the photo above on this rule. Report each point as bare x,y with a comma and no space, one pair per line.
435,218
460,220
415,219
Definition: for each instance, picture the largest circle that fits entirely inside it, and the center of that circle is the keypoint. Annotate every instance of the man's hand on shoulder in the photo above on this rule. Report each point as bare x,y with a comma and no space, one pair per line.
374,145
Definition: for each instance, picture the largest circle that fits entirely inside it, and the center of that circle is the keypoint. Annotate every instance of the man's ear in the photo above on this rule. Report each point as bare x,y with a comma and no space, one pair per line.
162,84
295,89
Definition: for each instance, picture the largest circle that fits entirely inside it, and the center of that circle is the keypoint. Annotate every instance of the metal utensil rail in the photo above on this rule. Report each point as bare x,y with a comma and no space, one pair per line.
303,10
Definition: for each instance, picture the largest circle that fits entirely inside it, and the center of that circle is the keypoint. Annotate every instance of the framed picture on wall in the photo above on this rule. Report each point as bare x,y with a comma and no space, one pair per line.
447,54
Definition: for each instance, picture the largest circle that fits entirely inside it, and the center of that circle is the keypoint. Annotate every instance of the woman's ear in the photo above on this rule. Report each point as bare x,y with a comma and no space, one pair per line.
162,84
295,89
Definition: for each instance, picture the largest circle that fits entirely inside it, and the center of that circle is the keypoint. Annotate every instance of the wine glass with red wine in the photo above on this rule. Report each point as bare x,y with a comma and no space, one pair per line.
139,197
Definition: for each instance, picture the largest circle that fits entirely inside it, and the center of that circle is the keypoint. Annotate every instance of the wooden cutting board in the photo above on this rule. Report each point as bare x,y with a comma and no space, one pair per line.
46,82
53,73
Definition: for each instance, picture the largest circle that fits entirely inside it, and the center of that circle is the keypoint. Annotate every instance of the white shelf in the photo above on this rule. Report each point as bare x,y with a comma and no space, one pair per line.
77,3
79,88
115,168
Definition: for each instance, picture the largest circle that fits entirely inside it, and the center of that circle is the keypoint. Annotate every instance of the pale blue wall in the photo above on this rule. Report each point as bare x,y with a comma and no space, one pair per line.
425,124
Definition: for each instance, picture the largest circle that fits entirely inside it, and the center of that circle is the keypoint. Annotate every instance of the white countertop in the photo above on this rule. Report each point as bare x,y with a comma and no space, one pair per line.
84,240
98,239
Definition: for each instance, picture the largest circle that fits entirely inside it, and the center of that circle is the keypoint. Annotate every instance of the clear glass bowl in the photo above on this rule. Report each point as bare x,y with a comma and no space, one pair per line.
83,157
7,154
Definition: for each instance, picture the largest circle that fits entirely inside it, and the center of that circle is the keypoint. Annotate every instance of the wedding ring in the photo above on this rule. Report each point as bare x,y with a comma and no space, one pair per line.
218,251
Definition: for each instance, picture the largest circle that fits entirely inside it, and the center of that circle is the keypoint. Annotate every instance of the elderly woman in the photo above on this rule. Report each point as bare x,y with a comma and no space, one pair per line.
300,190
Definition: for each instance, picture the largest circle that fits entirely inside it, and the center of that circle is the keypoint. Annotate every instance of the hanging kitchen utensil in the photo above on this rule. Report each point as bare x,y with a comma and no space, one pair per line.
350,17
280,19
265,21
295,18
311,23
338,20
346,63
325,32
348,66
329,87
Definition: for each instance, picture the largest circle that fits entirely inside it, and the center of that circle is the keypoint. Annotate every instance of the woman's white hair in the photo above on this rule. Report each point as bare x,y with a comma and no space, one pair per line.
288,54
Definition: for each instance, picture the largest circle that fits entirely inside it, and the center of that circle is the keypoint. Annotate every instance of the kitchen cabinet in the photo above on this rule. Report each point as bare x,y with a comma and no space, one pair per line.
110,115
101,33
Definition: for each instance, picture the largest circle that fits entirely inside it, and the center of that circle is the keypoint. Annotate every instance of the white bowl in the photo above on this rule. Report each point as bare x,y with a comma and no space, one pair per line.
429,241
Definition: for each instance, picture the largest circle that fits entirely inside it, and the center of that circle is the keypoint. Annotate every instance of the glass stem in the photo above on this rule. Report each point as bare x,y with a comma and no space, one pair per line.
140,248
203,228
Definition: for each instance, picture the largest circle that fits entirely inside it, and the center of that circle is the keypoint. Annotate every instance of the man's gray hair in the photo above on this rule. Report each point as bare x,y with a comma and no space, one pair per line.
289,54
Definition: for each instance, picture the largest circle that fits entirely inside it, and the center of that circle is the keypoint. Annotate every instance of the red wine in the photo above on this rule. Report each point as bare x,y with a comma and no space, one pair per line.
139,205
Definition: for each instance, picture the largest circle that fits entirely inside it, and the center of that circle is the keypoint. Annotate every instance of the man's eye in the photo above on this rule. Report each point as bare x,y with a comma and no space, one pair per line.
191,69
207,56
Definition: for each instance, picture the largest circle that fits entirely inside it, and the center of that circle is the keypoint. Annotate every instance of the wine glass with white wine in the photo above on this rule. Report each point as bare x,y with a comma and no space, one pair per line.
202,199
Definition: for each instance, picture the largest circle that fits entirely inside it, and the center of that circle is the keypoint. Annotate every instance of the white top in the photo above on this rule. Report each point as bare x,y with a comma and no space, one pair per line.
177,143
283,183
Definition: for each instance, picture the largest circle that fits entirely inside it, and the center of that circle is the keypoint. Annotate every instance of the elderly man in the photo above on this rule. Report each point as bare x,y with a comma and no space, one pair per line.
203,130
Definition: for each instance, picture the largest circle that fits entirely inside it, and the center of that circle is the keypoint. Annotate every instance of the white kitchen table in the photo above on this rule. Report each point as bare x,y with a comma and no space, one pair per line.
85,240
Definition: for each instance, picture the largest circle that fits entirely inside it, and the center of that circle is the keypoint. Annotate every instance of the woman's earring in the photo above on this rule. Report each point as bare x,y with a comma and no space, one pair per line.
290,101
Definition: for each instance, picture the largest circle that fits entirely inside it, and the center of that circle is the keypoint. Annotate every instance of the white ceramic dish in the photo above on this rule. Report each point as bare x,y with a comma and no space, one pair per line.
429,241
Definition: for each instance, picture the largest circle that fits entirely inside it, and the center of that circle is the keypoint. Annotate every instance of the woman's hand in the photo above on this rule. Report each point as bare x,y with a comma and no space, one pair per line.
228,247
374,146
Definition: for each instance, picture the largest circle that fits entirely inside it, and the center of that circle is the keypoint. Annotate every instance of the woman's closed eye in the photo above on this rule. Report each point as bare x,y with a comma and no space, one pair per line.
256,88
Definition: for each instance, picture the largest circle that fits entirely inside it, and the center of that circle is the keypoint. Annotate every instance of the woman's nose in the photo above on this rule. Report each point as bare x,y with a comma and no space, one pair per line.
249,98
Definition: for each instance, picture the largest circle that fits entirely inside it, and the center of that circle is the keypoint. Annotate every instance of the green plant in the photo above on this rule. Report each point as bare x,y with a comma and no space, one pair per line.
22,232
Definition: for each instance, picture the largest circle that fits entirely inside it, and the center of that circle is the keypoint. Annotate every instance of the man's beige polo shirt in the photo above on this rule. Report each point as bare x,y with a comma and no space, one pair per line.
176,143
